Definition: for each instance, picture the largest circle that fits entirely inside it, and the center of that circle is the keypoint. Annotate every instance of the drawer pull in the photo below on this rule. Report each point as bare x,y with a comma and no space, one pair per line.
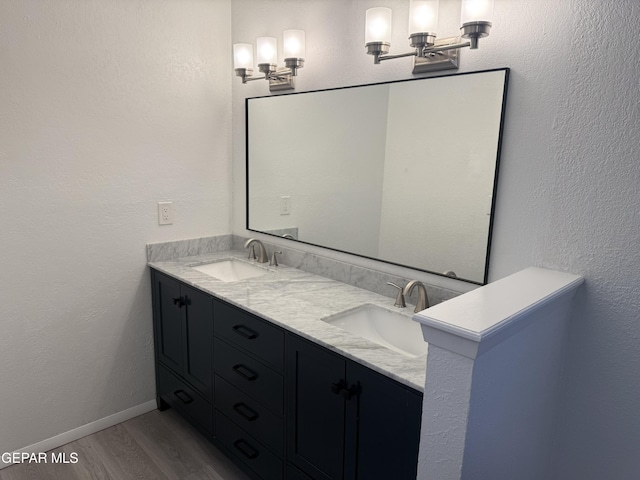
183,396
245,332
245,372
246,449
246,412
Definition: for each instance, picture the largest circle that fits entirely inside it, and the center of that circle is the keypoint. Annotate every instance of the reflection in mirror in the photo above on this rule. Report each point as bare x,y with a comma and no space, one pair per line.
402,172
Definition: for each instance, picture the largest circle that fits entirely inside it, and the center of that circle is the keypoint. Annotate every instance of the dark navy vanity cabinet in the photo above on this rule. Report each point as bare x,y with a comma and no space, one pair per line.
346,420
281,406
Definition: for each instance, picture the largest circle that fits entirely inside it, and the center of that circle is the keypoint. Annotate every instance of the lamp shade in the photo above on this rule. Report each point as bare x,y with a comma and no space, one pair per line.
423,16
294,44
267,50
476,11
378,25
242,55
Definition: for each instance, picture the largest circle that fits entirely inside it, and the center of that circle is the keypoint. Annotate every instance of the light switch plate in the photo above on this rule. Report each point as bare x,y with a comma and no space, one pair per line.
285,204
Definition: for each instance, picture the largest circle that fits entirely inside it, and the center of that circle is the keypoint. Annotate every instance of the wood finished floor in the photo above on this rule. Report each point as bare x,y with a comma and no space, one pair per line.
157,445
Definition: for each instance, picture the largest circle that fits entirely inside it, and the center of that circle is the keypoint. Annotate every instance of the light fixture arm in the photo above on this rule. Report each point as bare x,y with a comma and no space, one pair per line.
421,52
377,58
279,75
441,48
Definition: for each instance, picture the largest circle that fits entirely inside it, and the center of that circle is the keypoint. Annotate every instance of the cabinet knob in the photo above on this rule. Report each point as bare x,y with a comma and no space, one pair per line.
179,301
352,391
338,387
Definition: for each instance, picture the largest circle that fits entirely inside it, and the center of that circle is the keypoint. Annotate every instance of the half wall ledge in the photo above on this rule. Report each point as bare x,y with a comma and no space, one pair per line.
493,378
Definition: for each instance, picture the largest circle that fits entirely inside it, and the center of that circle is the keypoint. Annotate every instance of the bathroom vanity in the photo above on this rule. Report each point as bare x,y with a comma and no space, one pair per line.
252,365
260,365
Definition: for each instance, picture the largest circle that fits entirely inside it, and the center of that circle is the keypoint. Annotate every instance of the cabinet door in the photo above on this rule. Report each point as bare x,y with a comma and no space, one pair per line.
388,431
198,335
168,321
316,411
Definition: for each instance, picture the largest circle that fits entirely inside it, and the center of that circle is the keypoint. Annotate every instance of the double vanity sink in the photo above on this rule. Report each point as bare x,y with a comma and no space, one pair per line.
393,330
387,327
356,323
231,270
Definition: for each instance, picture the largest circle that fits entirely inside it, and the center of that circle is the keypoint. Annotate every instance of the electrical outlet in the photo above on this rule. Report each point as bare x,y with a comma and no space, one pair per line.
165,213
285,205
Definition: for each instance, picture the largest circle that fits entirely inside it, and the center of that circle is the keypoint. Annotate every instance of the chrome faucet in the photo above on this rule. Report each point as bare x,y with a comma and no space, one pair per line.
262,252
423,300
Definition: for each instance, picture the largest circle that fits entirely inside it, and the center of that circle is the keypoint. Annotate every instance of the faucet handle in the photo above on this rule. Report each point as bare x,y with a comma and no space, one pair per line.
399,297
274,260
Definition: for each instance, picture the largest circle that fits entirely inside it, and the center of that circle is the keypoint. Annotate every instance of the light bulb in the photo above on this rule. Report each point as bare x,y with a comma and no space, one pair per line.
267,50
423,16
294,44
476,11
243,55
378,25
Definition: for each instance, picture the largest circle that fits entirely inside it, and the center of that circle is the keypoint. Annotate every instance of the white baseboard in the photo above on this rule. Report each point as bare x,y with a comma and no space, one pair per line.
88,429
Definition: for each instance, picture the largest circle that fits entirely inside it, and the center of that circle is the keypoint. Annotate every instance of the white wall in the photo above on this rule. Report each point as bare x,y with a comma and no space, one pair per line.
108,106
569,178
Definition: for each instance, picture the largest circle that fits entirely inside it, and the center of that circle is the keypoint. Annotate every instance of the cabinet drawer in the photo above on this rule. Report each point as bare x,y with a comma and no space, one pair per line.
251,416
294,474
182,397
249,375
247,449
262,339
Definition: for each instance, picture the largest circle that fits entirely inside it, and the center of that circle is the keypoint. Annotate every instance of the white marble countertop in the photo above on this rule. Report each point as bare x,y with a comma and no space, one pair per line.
297,301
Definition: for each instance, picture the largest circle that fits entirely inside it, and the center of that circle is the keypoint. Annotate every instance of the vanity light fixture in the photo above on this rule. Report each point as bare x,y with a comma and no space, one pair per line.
429,53
280,78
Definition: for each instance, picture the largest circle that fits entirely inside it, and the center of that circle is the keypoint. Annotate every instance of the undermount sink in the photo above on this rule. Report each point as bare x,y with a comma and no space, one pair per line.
390,329
231,270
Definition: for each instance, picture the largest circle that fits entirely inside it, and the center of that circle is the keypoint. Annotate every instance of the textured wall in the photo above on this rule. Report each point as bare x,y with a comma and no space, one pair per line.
570,174
107,107
592,226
